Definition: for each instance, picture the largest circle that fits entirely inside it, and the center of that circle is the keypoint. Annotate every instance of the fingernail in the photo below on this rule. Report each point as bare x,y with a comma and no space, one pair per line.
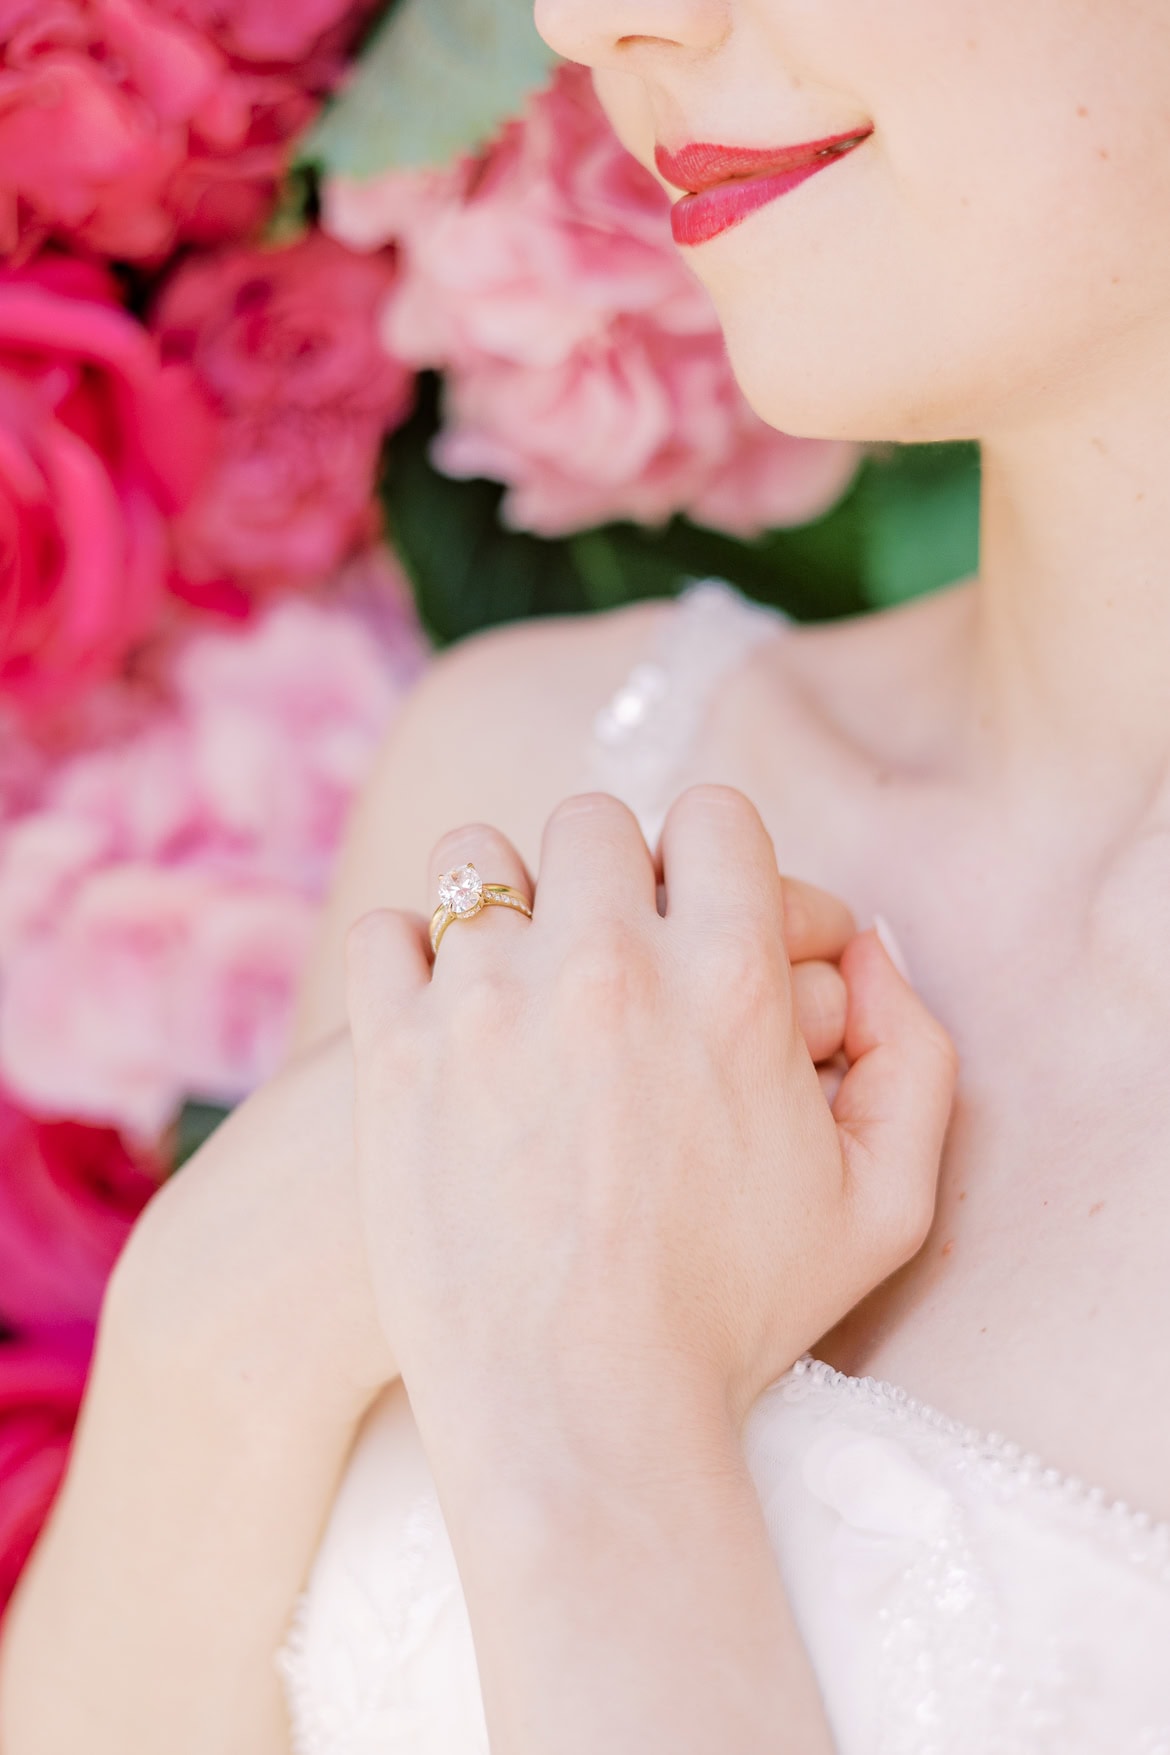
893,949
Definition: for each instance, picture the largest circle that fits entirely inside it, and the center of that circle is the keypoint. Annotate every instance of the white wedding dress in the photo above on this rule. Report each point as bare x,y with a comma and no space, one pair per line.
956,1597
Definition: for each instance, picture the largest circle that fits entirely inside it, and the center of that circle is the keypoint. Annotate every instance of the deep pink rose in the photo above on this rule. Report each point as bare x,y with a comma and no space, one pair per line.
267,30
100,445
584,364
41,1385
68,1197
127,126
158,901
286,344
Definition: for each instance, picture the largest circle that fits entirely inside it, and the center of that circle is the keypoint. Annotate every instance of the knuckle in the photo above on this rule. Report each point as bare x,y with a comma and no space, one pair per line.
710,795
487,1000
822,999
904,1217
455,846
594,806
736,970
714,809
915,1217
363,936
605,973
393,1051
797,918
940,1047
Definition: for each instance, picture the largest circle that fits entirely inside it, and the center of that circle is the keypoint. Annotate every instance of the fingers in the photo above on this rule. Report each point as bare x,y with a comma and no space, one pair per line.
387,959
821,1001
719,864
594,860
831,1073
894,1103
497,862
816,924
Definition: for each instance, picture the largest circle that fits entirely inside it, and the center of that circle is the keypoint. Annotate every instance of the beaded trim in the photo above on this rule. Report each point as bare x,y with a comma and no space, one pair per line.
643,735
1002,1463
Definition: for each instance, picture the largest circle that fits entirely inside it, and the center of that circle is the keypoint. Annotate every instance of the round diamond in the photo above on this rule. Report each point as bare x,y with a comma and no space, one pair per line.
461,890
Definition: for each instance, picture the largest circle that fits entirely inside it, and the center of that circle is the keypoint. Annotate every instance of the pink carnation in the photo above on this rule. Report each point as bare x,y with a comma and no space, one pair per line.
584,364
285,342
68,1198
127,125
41,1385
157,906
100,445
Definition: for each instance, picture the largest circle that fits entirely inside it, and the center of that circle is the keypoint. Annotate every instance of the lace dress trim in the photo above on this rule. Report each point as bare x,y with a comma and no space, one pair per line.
940,1641
1003,1464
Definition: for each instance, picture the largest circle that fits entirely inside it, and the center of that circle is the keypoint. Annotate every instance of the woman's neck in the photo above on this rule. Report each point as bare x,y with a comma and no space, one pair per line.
1069,643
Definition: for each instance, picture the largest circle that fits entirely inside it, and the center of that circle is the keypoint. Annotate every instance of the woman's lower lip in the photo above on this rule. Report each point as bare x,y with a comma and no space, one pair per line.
697,218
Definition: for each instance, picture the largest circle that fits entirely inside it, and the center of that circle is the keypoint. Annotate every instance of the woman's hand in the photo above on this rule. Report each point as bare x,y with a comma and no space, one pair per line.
596,1161
253,1253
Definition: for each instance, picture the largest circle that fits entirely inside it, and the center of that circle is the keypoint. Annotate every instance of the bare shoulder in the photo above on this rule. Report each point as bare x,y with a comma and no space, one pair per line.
496,731
868,687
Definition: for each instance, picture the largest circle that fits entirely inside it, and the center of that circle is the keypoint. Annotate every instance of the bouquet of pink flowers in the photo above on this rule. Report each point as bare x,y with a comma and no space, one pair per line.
267,301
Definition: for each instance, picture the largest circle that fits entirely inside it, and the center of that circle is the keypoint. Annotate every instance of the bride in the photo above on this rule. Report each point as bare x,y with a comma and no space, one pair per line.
707,1356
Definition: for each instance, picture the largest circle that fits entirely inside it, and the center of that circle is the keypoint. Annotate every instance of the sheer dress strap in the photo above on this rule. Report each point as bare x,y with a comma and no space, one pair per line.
644,734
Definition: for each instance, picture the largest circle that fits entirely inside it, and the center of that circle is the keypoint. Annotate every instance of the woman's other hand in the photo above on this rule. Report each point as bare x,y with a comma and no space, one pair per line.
596,1160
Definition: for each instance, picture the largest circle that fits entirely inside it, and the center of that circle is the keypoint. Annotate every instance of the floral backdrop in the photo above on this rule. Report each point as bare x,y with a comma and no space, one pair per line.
328,333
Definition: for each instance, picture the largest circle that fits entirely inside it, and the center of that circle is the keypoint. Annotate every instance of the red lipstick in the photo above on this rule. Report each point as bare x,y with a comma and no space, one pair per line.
727,183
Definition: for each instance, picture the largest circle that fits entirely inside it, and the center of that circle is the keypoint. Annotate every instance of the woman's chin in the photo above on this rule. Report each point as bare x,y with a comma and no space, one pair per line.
835,400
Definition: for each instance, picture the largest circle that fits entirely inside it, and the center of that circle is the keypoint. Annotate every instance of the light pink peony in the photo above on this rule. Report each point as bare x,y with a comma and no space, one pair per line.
128,125
286,344
584,363
642,425
41,1386
68,1198
100,445
157,906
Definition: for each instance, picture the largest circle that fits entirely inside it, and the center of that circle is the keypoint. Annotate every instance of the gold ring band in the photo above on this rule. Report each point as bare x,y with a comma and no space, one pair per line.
464,894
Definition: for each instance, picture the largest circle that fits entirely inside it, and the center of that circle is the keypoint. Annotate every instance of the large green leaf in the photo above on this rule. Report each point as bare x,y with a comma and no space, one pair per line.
437,79
921,517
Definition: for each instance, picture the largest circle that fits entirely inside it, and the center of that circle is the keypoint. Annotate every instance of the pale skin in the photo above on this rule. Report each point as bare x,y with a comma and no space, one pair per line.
986,767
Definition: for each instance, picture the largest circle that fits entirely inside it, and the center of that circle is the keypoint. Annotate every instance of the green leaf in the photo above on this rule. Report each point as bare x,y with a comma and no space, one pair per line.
922,520
908,522
437,79
196,1123
469,572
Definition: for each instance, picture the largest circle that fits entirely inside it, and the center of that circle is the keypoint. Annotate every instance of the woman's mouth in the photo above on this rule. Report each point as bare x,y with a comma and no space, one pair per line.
727,183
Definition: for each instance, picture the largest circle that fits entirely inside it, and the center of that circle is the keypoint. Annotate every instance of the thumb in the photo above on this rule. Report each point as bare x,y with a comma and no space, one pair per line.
894,1103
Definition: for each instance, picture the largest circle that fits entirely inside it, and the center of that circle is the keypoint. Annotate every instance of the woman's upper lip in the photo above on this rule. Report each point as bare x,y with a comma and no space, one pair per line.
703,165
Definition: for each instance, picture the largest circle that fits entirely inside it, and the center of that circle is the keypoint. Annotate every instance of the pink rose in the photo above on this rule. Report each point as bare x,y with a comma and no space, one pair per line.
99,446
286,344
261,31
68,1198
41,1385
127,126
157,904
584,364
161,982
